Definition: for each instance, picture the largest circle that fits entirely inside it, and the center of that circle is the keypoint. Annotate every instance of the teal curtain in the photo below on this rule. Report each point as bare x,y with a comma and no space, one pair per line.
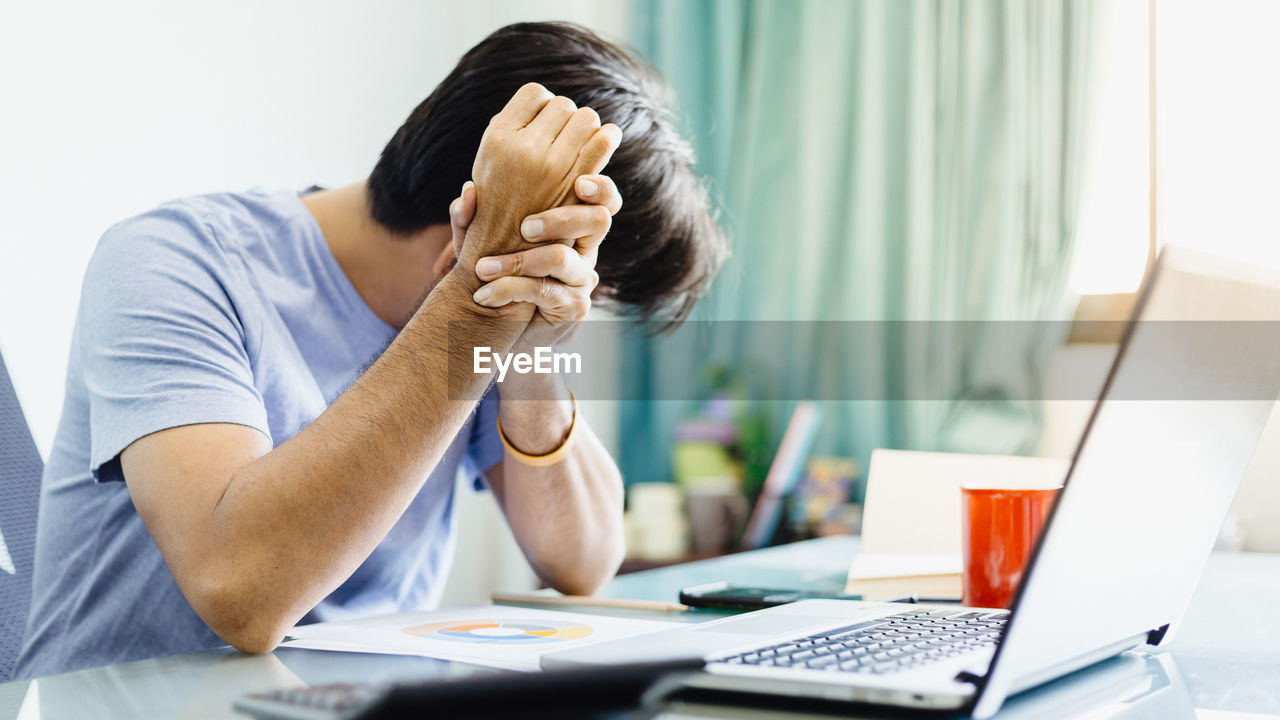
875,160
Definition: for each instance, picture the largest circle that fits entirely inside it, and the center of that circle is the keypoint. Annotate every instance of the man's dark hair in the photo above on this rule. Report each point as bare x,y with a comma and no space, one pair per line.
664,247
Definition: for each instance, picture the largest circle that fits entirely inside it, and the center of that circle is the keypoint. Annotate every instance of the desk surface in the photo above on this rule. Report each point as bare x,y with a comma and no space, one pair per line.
1225,659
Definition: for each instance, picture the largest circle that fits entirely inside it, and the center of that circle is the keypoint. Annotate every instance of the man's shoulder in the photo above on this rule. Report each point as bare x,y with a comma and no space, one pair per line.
192,245
197,231
213,222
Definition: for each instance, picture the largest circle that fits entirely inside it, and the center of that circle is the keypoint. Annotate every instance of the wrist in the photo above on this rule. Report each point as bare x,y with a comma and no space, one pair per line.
457,289
461,281
537,412
491,234
552,456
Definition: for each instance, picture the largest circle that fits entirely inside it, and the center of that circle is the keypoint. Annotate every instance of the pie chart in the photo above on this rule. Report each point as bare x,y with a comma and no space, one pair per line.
501,632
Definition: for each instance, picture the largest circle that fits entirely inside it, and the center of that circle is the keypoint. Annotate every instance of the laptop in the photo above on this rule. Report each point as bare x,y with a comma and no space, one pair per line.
1192,386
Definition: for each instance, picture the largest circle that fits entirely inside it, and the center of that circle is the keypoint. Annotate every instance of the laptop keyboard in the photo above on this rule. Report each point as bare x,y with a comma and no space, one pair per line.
885,644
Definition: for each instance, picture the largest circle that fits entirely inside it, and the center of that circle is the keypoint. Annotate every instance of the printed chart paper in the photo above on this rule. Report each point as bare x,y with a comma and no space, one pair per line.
511,638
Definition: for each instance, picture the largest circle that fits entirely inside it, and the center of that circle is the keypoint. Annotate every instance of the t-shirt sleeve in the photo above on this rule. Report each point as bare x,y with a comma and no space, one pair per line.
161,343
485,448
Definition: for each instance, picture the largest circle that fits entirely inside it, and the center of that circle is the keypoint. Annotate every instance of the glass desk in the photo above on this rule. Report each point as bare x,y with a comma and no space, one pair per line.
1224,661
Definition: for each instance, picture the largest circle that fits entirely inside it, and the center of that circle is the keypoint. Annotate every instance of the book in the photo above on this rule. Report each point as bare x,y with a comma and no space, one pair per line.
787,465
887,575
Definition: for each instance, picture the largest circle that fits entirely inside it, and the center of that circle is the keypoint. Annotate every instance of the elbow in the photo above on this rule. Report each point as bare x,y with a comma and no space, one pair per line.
230,610
254,641
581,584
590,573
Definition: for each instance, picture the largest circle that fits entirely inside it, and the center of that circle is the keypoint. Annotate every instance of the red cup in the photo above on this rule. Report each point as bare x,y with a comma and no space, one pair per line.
999,527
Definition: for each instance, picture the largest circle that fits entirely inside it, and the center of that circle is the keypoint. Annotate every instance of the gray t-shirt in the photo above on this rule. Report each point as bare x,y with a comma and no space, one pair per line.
222,308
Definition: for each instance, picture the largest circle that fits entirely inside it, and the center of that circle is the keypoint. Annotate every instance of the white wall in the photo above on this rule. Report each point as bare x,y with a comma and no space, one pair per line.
1217,112
107,109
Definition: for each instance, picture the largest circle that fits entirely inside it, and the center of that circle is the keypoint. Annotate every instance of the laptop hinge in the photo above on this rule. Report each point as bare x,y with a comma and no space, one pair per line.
1155,636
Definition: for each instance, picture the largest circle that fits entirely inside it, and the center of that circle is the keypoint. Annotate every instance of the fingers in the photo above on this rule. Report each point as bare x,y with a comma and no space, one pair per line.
553,117
539,291
585,225
558,262
462,211
581,126
467,212
597,151
523,107
555,300
599,190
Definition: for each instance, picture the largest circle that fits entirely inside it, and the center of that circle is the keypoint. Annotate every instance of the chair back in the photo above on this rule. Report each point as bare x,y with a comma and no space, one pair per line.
20,471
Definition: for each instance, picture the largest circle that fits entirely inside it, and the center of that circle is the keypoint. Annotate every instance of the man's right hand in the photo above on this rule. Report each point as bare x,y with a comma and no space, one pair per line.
530,156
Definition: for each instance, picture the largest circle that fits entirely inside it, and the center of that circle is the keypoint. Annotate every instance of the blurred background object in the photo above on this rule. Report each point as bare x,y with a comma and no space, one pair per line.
717,516
657,524
784,471
822,504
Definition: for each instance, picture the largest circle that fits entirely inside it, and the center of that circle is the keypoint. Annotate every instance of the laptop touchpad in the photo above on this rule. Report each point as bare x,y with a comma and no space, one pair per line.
767,624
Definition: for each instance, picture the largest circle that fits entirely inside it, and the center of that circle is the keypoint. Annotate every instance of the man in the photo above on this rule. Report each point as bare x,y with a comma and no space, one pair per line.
265,406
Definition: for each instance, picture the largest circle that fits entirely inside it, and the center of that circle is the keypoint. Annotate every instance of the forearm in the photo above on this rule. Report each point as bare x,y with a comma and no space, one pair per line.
295,523
567,517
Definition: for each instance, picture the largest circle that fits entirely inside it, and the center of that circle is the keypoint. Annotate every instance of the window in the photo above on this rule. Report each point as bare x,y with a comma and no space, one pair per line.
1207,71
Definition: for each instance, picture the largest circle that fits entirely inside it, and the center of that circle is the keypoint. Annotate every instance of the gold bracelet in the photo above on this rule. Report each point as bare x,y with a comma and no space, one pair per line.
552,457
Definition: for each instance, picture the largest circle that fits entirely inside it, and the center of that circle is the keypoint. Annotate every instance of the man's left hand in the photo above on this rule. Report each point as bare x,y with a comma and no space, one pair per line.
558,276
569,511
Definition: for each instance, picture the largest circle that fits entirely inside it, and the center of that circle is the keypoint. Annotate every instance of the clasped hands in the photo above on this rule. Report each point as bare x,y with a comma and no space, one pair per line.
530,226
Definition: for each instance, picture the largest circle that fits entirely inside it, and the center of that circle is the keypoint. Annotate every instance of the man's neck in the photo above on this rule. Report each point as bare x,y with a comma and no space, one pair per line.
392,273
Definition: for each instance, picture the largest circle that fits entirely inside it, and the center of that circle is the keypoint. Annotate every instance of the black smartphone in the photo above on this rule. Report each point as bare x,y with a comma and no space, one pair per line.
723,596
